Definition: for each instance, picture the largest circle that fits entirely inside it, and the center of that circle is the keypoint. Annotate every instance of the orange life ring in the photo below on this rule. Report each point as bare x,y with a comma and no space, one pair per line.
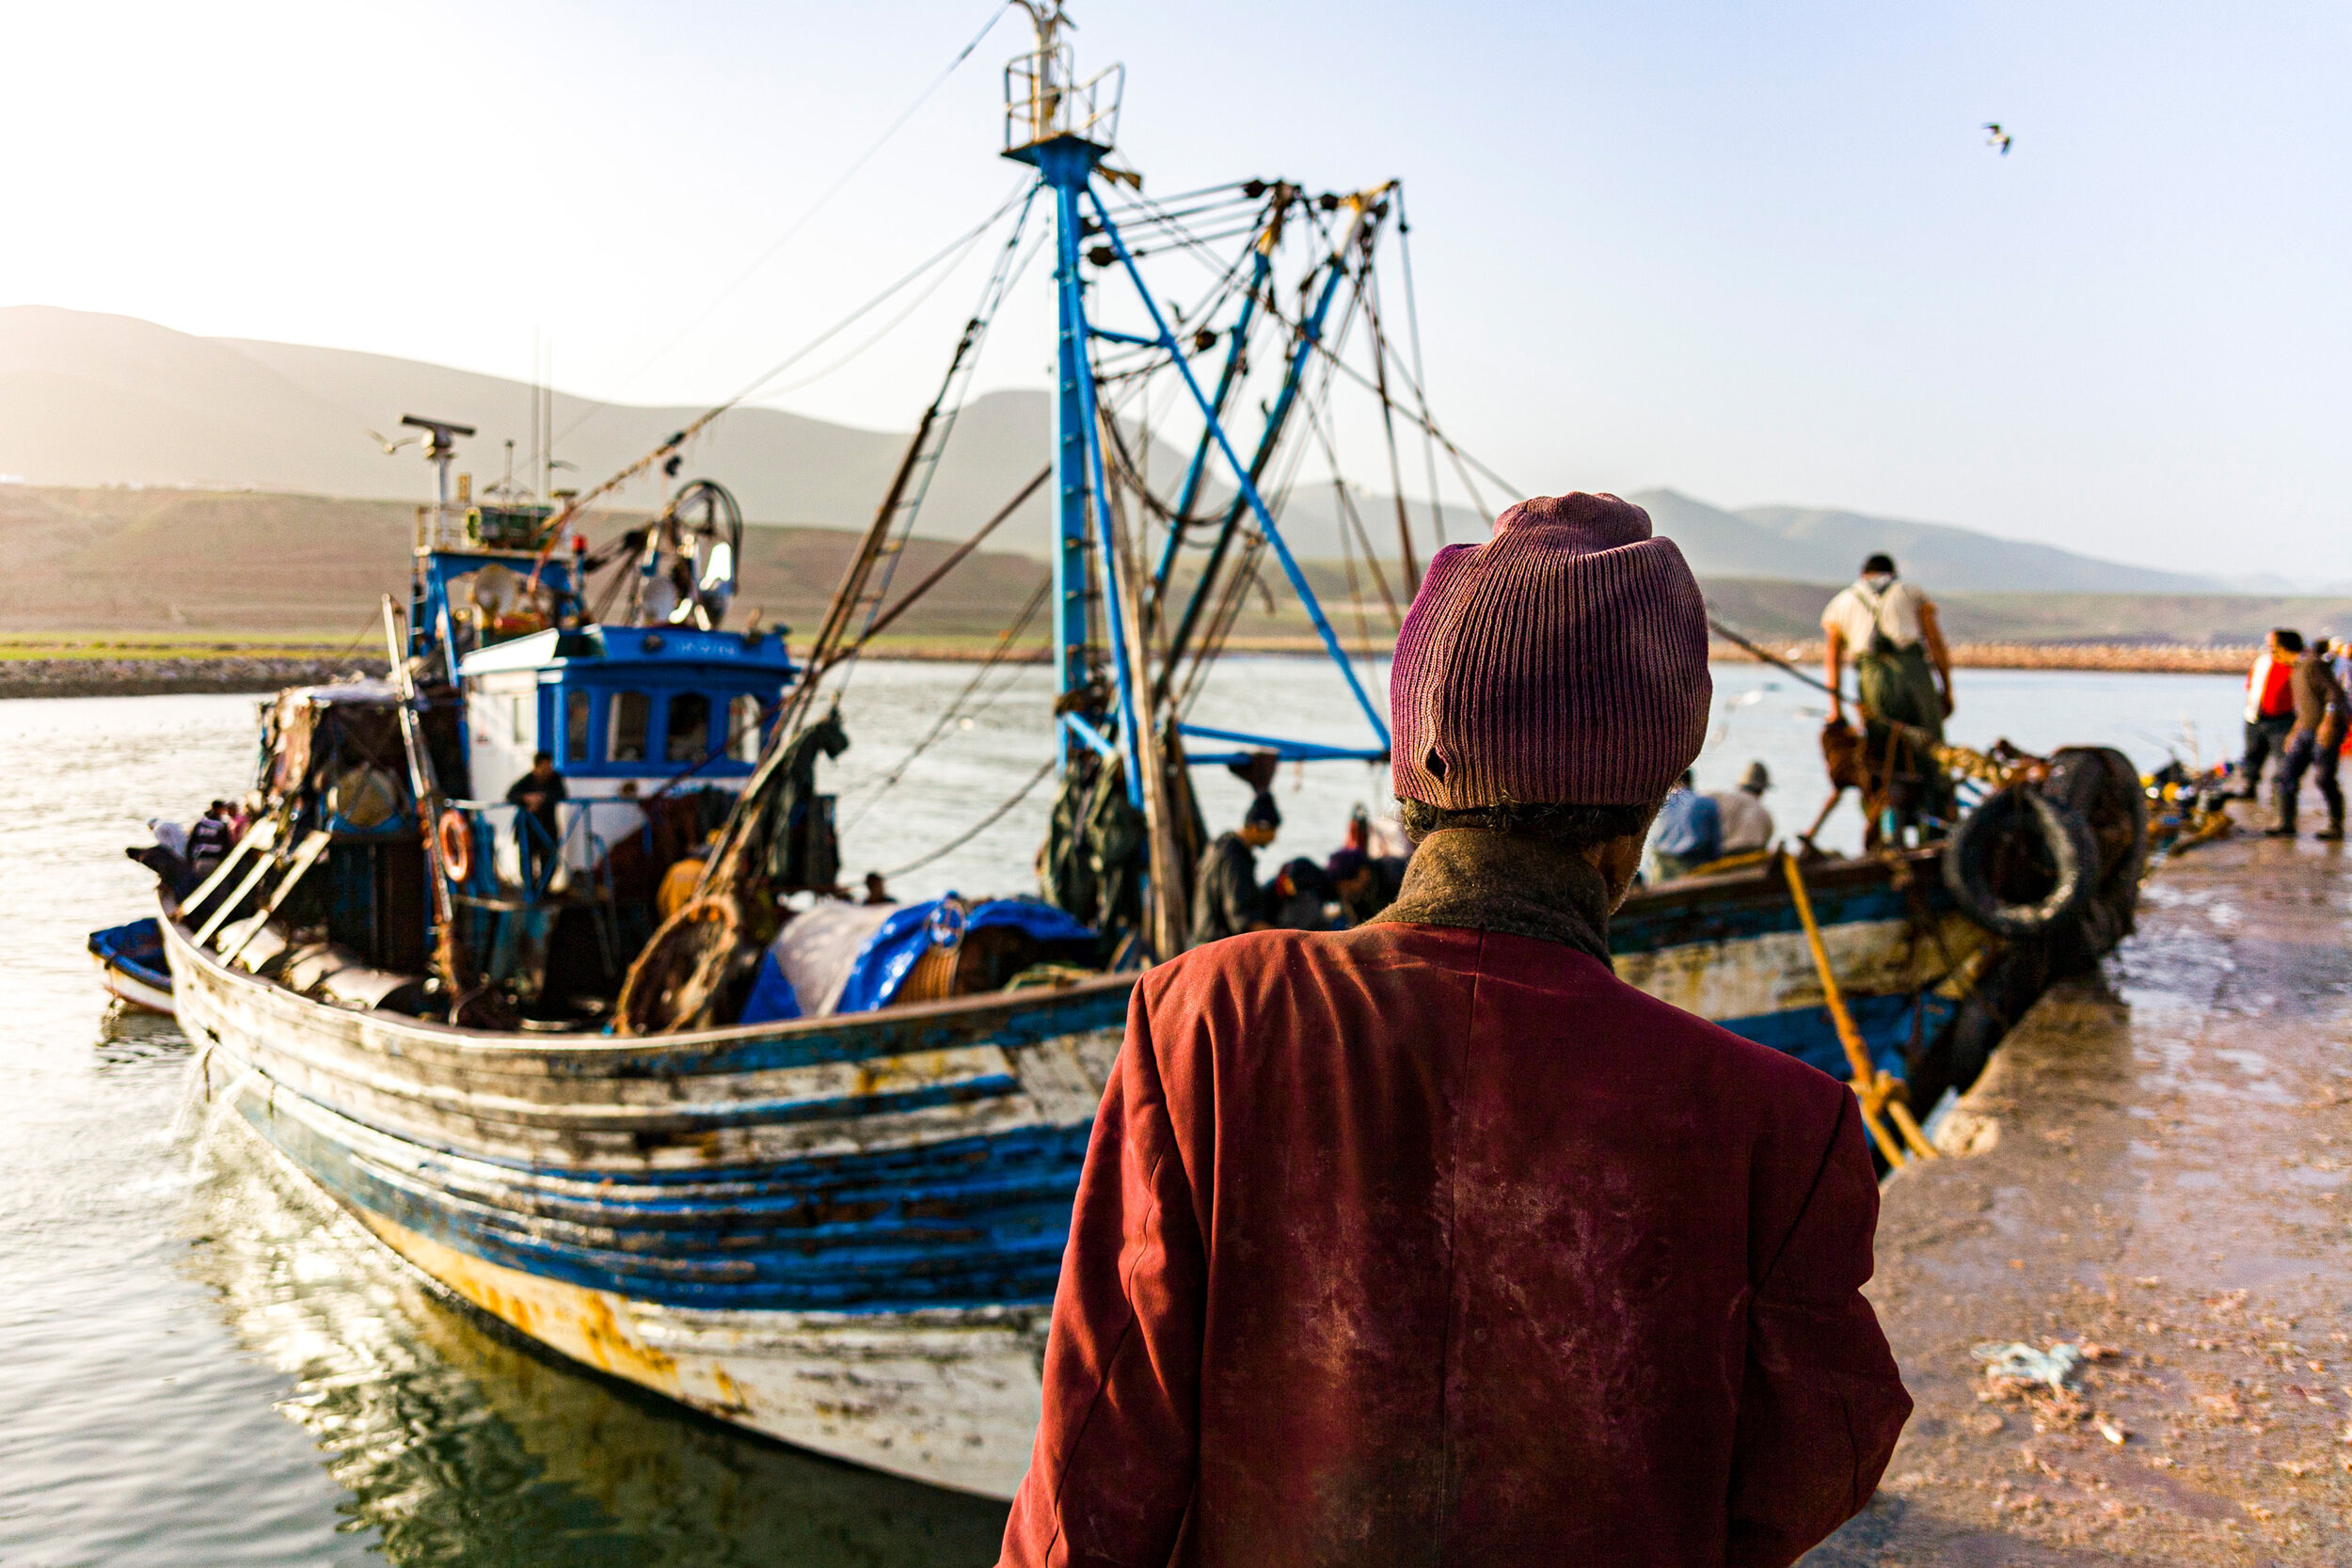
457,835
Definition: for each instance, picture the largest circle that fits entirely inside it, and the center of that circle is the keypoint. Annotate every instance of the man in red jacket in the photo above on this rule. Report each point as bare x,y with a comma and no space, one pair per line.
1432,1241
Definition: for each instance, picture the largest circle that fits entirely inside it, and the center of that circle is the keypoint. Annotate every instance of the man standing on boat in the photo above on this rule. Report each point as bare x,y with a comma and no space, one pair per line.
1889,629
537,793
1227,898
1432,1240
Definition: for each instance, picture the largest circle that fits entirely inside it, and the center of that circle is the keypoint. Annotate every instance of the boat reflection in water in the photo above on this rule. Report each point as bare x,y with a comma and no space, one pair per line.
460,1443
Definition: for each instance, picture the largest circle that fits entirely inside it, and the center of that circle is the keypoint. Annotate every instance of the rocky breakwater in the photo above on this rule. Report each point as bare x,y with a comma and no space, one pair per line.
154,676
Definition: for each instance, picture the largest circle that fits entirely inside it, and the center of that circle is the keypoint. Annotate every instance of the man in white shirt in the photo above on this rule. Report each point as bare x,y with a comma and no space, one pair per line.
1746,825
1889,629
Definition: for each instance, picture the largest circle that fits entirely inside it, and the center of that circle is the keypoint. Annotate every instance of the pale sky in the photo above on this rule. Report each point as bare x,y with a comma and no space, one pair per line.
1759,254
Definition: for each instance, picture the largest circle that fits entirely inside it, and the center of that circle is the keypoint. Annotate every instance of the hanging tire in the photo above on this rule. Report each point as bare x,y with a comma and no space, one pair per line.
2100,784
2021,865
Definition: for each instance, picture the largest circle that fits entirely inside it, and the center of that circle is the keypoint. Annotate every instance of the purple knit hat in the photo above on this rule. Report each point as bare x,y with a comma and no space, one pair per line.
1564,661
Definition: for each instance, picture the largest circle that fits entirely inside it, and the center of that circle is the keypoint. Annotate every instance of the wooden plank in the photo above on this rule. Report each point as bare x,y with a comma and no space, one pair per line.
220,916
306,855
260,836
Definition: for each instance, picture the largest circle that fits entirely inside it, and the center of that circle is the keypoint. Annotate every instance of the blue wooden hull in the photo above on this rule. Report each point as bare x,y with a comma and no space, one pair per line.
845,1232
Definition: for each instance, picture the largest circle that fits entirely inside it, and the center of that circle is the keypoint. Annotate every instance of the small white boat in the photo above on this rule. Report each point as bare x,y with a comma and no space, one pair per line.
131,965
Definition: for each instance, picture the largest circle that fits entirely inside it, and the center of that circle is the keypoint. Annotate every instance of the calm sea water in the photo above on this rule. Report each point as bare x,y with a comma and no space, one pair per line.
202,1363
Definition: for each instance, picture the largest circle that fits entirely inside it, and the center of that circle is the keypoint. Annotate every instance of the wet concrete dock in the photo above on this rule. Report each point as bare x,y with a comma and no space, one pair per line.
2161,1171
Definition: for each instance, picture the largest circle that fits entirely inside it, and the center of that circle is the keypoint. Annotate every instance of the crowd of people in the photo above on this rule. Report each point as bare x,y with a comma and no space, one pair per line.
181,857
2298,709
1356,882
1694,833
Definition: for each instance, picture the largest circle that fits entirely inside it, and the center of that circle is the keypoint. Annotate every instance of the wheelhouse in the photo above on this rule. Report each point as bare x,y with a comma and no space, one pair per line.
653,707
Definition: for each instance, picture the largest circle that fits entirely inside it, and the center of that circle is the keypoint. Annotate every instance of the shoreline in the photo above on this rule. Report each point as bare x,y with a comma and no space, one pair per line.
223,672
2153,1165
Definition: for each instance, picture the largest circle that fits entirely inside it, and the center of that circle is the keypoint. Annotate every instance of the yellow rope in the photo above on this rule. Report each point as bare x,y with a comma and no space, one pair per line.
1872,1089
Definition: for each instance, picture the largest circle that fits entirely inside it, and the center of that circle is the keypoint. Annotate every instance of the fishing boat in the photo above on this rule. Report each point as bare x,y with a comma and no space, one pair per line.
131,966
626,1071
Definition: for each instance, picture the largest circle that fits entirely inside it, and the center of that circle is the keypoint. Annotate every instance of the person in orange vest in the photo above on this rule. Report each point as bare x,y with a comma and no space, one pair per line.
2269,707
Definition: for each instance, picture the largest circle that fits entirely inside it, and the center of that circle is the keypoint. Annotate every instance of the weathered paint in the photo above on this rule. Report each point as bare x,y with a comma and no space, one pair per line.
131,990
845,1232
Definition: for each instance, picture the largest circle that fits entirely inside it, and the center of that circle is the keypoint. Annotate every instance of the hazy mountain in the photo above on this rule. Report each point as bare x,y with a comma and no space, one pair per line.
94,400
1805,545
1956,558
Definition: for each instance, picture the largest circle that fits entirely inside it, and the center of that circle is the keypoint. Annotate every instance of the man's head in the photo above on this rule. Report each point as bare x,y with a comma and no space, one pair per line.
542,764
218,808
1351,873
1262,821
1551,683
1759,779
1879,571
2286,640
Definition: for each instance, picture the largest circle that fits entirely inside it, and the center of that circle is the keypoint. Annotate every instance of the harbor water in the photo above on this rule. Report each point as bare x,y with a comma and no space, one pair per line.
202,1362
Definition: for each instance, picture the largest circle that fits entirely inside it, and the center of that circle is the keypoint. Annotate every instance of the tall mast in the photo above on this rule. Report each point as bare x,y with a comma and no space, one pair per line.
1057,130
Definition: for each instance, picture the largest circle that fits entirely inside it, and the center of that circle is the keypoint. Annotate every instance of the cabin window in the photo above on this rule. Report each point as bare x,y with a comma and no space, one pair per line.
688,727
575,726
743,728
625,726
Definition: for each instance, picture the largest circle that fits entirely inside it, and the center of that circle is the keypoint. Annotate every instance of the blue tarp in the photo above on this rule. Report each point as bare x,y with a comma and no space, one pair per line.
136,949
771,995
882,966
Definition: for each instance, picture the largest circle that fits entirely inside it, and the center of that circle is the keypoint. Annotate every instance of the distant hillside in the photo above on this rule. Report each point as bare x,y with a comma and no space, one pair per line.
157,560
93,399
162,560
1811,546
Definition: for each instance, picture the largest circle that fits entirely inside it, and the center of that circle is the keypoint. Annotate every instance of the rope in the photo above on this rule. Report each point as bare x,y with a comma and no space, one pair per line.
958,248
1872,1089
1724,630
978,828
1412,323
810,211
1005,640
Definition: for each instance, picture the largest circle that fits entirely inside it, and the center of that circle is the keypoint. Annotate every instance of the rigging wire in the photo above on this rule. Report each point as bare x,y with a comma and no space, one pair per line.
959,247
1412,325
556,525
1011,261
883,782
978,828
856,166
1724,629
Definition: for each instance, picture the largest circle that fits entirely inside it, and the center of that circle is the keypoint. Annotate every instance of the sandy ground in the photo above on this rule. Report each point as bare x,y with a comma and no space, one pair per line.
2165,1176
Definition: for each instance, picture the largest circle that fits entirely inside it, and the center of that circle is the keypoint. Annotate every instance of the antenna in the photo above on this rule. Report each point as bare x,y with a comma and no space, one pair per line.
440,445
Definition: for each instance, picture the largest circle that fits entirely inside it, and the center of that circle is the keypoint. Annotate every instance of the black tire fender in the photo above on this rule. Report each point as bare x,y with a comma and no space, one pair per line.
2101,785
2063,838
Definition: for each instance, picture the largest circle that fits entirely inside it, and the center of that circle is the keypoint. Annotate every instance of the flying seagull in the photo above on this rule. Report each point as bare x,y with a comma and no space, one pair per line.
1998,137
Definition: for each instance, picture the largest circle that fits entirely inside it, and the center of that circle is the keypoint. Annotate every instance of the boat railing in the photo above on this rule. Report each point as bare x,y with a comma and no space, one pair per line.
1043,102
